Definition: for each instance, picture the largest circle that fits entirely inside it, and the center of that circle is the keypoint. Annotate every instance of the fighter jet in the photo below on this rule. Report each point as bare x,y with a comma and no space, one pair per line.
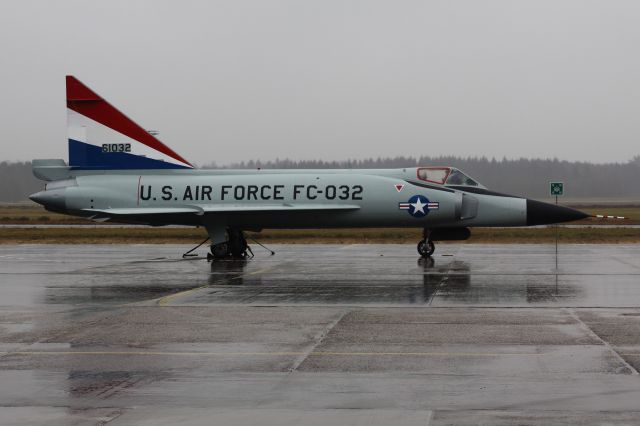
120,172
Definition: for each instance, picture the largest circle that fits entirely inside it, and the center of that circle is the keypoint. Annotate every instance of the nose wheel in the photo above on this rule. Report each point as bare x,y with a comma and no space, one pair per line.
426,246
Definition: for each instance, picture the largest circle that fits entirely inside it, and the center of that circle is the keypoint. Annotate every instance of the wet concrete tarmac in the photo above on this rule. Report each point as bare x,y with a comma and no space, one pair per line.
320,334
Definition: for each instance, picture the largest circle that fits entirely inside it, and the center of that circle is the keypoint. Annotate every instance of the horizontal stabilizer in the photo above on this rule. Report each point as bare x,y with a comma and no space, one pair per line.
50,170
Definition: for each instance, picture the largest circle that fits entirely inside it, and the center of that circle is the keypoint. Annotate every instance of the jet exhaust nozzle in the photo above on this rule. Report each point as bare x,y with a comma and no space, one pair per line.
53,199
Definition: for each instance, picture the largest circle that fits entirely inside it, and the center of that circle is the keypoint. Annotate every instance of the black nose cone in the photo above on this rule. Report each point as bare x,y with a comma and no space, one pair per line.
539,213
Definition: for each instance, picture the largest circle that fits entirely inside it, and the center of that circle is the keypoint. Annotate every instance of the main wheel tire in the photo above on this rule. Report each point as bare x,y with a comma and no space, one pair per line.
426,249
220,251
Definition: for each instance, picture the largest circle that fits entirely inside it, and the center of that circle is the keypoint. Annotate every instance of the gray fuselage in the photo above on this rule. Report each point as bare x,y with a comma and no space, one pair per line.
257,199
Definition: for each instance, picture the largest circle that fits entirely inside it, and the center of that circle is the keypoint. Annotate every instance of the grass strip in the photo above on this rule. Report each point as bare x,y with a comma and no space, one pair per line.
118,235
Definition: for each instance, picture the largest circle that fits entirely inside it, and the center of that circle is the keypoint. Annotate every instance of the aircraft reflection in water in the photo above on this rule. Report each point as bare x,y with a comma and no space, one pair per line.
119,172
450,278
454,282
231,272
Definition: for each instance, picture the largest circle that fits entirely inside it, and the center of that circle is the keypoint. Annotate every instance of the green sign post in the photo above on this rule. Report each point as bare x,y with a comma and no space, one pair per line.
556,188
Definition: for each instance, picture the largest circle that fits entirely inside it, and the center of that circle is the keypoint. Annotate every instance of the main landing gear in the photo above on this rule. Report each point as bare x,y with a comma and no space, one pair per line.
426,246
235,247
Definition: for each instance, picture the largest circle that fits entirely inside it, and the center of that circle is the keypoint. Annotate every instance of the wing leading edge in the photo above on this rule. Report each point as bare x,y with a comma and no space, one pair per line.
231,208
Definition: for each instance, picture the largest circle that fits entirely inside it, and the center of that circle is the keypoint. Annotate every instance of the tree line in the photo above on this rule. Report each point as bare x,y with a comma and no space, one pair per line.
526,177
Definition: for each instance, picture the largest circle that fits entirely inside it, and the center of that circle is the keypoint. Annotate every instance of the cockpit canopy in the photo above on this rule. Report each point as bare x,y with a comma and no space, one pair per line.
446,176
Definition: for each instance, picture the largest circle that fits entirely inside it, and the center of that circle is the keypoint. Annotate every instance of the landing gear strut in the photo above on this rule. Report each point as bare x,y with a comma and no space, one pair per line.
237,244
426,246
235,247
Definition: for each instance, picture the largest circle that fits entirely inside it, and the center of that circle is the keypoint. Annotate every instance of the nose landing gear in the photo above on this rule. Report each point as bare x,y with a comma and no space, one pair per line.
426,246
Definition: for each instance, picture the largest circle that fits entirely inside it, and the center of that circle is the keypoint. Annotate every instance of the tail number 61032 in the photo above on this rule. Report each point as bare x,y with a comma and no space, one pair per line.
116,147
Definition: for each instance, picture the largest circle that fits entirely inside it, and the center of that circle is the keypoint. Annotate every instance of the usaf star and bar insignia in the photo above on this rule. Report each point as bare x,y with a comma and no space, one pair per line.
419,206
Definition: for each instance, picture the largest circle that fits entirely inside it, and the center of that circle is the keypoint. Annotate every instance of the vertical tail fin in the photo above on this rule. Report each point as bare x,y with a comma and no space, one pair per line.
103,138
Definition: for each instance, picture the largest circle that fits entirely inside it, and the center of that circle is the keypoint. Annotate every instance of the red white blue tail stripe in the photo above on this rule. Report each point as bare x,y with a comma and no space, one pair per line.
103,138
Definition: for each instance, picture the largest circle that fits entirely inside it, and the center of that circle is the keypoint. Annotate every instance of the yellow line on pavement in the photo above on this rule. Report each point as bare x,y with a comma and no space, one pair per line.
166,299
318,354
163,301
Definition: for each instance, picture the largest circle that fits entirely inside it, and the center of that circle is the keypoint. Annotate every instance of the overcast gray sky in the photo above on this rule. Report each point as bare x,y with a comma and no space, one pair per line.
231,80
